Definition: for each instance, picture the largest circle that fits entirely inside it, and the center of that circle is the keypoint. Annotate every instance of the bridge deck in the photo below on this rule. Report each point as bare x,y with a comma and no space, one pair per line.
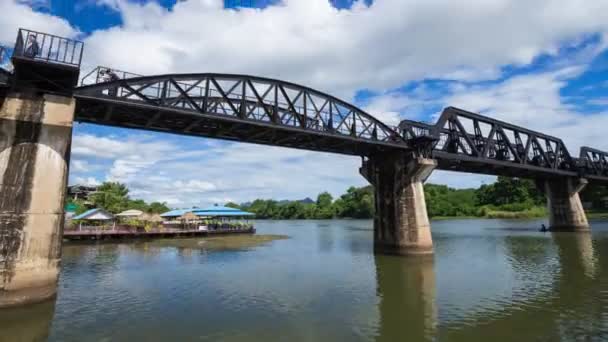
137,115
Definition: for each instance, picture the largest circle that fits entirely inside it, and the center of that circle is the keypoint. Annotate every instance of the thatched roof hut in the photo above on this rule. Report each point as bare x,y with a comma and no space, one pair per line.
154,218
188,217
131,213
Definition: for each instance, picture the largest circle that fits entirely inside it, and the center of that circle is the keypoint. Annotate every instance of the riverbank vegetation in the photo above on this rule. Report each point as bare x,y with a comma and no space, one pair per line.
507,198
114,198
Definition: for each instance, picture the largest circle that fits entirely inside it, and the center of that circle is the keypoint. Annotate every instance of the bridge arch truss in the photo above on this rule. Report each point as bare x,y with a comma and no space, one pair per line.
236,107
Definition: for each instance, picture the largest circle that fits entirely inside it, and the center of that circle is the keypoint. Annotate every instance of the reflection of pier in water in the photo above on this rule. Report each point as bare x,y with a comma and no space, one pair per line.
25,324
407,292
562,312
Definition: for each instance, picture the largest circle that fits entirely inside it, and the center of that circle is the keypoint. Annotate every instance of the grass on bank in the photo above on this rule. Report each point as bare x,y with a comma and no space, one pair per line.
597,214
531,213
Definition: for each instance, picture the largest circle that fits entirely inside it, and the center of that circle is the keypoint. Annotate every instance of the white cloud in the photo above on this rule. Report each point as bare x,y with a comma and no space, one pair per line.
376,47
599,102
533,101
194,186
209,172
187,174
393,106
79,166
380,47
19,14
91,181
460,180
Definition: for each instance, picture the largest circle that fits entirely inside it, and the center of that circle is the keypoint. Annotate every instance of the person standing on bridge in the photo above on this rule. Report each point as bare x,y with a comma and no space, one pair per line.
109,75
32,48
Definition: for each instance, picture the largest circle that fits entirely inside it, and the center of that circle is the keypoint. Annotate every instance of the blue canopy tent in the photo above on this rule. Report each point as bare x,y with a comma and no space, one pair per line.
214,216
221,211
97,218
213,211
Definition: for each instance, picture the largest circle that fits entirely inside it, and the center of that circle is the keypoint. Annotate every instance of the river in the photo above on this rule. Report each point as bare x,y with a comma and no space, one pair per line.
490,280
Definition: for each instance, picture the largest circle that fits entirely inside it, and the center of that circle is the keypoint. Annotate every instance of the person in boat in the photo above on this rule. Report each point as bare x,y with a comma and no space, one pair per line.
543,228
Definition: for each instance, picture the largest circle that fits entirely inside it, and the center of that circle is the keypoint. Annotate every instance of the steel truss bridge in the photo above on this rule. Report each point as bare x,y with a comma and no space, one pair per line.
272,112
469,142
236,107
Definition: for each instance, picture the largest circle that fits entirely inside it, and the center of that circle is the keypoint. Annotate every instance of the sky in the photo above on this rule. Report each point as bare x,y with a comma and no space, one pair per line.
541,64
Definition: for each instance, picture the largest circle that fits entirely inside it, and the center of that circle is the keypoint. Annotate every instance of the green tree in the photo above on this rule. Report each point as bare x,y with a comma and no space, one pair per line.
292,210
444,201
357,203
264,209
232,205
137,204
324,206
111,196
158,208
79,204
595,195
507,191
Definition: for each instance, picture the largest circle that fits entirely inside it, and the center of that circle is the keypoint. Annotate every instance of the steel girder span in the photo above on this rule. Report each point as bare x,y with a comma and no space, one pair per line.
237,107
470,142
594,163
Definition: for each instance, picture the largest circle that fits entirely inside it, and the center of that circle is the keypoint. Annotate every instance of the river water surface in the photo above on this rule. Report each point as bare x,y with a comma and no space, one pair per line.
489,280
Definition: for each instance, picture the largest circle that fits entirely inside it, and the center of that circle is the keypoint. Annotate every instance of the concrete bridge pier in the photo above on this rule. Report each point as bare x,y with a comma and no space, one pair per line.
36,131
401,223
566,211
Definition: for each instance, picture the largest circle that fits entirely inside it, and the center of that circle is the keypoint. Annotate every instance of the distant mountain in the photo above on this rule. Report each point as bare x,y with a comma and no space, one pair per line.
307,200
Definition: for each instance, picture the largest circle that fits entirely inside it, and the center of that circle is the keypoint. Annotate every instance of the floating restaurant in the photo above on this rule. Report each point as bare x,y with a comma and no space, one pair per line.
175,223
211,218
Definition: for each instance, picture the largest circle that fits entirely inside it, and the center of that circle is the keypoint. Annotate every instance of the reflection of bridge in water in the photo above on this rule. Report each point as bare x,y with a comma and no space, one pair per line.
570,308
39,102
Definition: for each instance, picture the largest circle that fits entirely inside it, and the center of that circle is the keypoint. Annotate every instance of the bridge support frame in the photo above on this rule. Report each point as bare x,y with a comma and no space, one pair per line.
401,223
566,212
34,156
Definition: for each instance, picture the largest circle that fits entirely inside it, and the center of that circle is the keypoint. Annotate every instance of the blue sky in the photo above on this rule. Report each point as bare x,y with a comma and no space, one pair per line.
542,64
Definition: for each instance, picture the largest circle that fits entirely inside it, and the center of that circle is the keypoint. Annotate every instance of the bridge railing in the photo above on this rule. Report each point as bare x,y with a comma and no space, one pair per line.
48,48
105,74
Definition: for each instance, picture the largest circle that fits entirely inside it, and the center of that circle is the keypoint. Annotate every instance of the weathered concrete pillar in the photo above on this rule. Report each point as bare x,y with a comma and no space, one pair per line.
566,211
36,132
401,223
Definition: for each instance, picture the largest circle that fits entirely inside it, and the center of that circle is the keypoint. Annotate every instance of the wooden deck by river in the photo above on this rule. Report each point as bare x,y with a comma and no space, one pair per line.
120,234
